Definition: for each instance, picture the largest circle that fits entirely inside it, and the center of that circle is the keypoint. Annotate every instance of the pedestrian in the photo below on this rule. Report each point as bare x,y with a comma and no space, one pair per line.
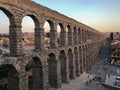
90,81
97,83
108,75
88,76
86,83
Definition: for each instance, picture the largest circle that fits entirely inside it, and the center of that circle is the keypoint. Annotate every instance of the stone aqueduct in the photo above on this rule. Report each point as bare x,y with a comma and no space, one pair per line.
56,65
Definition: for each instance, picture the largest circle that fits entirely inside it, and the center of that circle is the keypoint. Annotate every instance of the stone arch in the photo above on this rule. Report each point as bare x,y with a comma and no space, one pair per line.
62,36
71,64
51,34
70,35
75,39
37,74
82,35
28,38
77,63
81,59
52,70
9,14
61,27
34,18
29,70
11,18
87,59
51,24
79,36
84,59
10,73
89,56
85,35
63,66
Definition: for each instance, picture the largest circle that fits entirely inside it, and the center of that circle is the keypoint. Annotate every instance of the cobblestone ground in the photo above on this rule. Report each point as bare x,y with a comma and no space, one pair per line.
100,69
77,84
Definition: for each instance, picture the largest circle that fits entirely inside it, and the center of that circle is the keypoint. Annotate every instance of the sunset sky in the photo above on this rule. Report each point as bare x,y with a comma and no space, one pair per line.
103,15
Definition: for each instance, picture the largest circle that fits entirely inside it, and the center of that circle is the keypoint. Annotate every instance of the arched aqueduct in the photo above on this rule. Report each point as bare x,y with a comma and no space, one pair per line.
56,65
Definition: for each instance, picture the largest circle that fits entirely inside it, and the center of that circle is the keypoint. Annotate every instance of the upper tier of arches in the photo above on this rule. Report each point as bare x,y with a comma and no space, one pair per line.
71,32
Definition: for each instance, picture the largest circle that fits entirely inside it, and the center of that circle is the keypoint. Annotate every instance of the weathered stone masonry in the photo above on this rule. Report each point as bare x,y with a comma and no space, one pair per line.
56,65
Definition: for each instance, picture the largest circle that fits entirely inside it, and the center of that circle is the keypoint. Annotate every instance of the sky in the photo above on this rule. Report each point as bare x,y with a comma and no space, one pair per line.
103,15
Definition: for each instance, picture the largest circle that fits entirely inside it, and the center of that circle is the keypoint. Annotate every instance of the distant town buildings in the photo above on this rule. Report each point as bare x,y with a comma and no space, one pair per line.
115,49
4,41
116,36
28,40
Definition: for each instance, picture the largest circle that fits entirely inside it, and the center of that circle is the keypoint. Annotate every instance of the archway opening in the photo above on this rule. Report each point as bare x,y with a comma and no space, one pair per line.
84,59
59,28
75,35
7,77
28,27
67,32
37,74
81,61
79,36
69,35
71,64
29,70
47,34
87,59
63,65
61,35
51,69
4,32
76,62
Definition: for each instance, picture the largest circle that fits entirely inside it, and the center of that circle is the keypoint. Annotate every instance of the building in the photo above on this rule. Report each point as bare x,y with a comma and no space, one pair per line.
115,52
4,41
116,36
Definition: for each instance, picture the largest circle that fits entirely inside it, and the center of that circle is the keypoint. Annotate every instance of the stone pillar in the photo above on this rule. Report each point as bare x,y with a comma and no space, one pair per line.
40,76
79,36
71,66
77,64
90,36
55,76
81,60
18,81
62,38
70,38
45,78
84,59
83,36
87,59
53,39
86,36
16,47
64,70
39,39
90,55
75,37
